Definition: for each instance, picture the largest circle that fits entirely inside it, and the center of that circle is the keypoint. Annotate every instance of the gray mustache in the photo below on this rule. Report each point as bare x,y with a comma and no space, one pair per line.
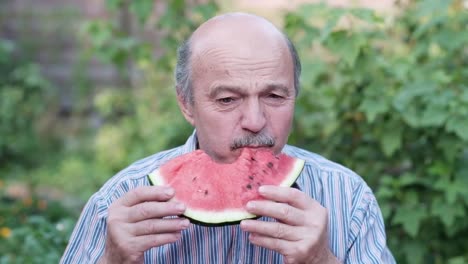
257,140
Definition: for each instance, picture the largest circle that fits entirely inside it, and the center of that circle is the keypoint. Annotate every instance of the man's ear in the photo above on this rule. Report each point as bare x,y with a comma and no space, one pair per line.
186,108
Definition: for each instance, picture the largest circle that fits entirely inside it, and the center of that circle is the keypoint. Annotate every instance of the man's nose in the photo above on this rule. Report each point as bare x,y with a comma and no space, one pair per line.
253,116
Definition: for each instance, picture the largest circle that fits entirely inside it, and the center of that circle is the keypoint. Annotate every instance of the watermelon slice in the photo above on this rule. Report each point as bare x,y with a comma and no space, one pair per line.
217,193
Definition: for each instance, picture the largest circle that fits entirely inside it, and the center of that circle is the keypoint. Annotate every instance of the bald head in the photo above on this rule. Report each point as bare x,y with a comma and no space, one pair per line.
243,34
236,28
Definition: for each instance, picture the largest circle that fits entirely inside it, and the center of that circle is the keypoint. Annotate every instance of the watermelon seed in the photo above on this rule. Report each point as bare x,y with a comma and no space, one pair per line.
258,183
194,178
251,177
270,165
206,192
252,158
249,186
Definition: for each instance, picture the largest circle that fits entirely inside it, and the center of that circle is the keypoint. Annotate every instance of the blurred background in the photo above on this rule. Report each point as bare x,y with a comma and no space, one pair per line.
86,89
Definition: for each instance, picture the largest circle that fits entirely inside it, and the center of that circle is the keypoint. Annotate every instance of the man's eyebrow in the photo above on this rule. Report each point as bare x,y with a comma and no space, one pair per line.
278,86
214,91
225,88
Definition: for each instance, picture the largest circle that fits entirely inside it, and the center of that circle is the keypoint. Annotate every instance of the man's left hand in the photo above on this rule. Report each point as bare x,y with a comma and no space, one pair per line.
300,234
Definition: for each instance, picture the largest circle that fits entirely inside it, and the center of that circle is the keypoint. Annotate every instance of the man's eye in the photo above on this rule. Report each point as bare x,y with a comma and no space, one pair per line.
226,100
275,96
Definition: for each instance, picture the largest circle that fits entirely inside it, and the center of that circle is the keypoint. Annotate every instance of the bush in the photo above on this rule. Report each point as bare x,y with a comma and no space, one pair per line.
390,100
23,96
33,229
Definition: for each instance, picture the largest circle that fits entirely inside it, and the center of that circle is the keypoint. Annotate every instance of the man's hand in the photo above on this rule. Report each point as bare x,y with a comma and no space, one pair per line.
300,234
135,224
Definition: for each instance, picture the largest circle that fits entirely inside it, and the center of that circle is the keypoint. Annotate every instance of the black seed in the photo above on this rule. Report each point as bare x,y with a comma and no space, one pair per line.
206,192
270,165
194,178
258,183
251,177
249,186
264,171
252,158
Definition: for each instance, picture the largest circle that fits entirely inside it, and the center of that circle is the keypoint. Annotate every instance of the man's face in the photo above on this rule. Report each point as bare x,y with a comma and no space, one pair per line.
244,96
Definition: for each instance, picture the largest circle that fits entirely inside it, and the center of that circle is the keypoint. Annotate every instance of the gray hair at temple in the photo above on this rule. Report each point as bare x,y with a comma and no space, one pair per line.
183,70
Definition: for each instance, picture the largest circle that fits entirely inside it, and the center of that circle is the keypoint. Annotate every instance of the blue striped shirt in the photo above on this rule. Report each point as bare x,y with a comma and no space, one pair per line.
356,228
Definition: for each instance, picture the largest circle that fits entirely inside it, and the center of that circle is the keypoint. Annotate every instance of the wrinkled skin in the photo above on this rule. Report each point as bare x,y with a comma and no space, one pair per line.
135,224
243,87
300,234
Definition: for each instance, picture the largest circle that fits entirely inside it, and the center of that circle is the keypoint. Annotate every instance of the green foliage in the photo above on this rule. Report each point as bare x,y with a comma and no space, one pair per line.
140,117
23,95
32,229
389,99
133,121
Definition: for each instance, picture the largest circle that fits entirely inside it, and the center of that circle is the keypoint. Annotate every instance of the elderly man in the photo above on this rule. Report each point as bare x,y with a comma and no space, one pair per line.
236,79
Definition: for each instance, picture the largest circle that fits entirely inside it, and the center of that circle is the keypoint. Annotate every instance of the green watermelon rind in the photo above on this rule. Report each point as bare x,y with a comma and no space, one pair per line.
228,216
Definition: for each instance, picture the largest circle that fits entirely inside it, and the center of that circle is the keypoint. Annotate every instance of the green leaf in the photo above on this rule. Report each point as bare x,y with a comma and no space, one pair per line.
373,107
410,100
447,211
390,139
113,4
426,8
408,179
410,217
142,9
332,20
206,10
424,27
439,168
414,251
434,116
458,125
366,14
458,260
346,45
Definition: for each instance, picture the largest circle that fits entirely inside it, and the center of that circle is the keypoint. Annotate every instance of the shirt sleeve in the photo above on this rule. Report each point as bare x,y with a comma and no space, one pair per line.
87,240
368,239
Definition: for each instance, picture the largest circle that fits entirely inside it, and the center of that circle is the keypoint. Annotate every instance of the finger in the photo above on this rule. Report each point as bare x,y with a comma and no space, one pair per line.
160,226
280,211
278,245
149,241
145,194
272,229
151,210
287,195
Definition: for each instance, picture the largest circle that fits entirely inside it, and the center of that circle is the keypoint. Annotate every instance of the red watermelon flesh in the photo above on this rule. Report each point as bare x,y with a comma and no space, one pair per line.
217,193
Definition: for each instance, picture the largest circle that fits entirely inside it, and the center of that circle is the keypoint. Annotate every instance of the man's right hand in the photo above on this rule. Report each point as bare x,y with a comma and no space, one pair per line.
135,224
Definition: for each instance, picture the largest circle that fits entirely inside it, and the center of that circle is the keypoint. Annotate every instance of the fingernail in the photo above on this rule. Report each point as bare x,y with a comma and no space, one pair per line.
169,191
250,205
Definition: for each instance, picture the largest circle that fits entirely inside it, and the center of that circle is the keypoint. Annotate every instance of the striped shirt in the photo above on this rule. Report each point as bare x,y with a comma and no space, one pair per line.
356,228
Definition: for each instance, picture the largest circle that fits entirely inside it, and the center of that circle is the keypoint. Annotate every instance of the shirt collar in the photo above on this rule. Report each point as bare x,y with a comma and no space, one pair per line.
191,144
